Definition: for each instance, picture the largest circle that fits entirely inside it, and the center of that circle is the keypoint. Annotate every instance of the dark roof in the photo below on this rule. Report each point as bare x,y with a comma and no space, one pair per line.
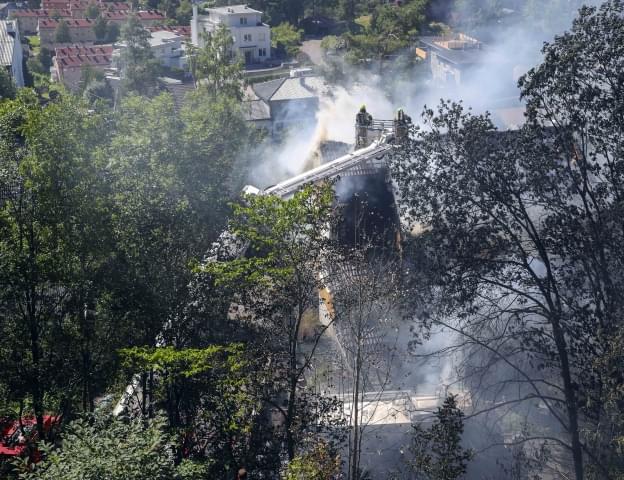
178,89
266,90
254,110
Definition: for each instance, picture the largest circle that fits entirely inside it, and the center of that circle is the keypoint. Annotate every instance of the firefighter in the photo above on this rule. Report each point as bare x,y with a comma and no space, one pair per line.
403,117
363,118
402,122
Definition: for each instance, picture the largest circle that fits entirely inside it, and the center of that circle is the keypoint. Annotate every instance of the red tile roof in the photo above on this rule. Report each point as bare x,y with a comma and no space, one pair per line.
184,30
150,15
71,23
116,15
143,15
83,50
80,61
114,6
40,13
51,4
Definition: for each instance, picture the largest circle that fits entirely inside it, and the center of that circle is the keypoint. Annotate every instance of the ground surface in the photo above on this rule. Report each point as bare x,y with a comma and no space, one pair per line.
313,49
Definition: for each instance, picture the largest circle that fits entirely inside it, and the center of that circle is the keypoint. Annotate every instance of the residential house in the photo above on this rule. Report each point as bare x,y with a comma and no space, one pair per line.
451,57
71,61
182,30
11,50
252,38
148,18
289,101
28,19
167,47
78,8
80,31
7,7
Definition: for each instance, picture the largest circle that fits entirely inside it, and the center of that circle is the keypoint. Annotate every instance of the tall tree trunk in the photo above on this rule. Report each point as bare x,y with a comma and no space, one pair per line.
570,399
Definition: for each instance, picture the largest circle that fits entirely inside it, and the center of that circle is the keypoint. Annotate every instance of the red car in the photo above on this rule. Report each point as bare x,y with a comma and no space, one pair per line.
15,441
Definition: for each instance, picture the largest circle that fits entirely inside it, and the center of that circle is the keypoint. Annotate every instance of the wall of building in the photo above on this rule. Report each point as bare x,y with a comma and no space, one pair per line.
444,72
15,69
252,37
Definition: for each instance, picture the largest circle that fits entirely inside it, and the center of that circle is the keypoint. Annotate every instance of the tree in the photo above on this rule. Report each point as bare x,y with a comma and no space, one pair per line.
138,65
366,305
100,28
213,67
437,451
184,12
7,87
211,392
316,464
61,34
278,283
286,39
54,252
404,22
518,225
99,91
112,32
92,11
101,446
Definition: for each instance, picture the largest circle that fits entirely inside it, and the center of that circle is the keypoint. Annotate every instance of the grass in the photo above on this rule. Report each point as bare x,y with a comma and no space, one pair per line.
34,42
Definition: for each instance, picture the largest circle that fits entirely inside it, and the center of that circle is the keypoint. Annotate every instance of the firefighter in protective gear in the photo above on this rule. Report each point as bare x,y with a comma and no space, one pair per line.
402,123
363,118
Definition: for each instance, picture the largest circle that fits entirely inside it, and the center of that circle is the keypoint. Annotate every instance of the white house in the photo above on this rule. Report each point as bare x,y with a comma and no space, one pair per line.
252,38
11,50
168,48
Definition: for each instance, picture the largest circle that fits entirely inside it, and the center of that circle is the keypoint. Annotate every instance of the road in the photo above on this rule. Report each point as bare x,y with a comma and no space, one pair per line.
313,49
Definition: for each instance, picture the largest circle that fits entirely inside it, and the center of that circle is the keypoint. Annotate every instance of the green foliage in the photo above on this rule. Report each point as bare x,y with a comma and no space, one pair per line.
92,11
184,12
286,232
139,67
102,447
211,392
332,43
437,451
213,67
403,22
319,463
276,281
100,28
99,91
7,86
61,34
286,39
89,75
56,227
112,32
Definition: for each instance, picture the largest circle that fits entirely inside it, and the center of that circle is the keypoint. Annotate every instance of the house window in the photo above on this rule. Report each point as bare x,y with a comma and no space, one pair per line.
247,37
262,52
243,20
261,37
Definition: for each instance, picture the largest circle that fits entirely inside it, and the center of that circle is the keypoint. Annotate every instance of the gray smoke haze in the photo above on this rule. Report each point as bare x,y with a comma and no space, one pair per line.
512,46
511,49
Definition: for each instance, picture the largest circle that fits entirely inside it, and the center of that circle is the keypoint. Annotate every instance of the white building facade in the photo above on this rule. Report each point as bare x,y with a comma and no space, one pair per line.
11,50
252,38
